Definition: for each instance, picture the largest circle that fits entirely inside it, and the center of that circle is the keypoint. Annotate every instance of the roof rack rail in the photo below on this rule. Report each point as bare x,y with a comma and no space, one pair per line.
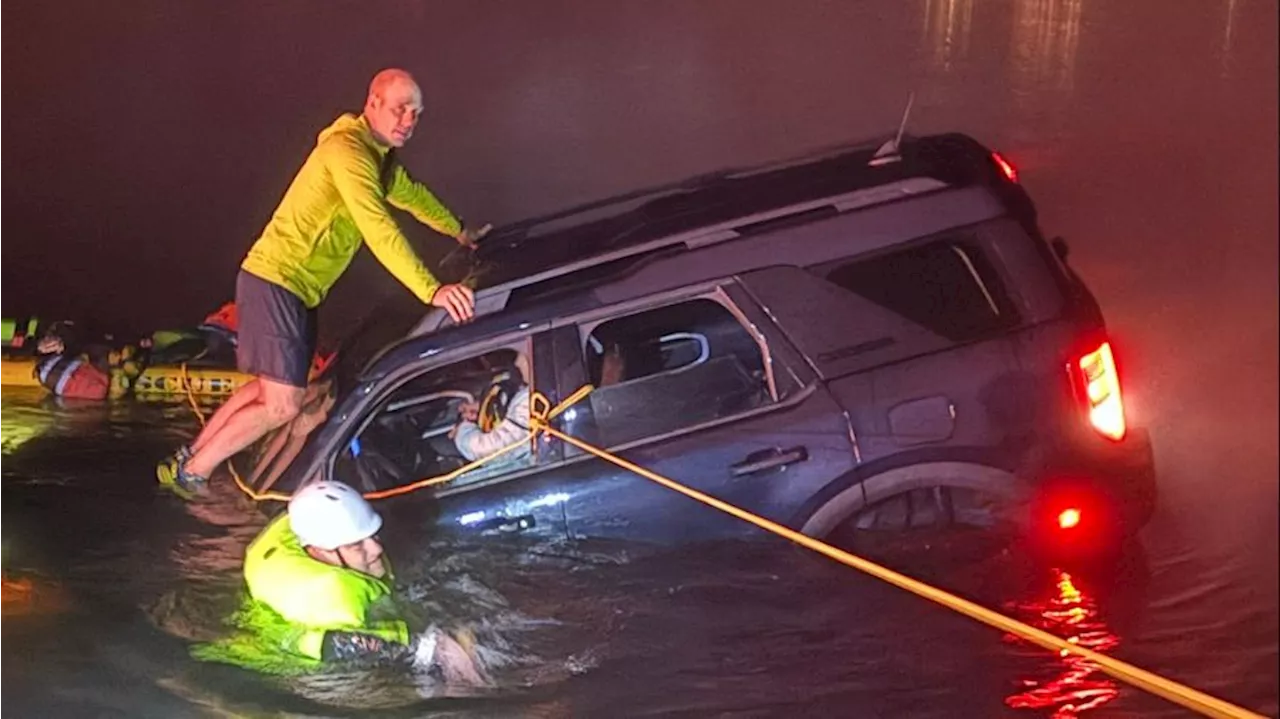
516,233
494,299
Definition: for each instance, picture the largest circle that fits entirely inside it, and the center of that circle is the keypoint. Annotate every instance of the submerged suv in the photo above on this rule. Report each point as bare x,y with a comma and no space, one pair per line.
878,338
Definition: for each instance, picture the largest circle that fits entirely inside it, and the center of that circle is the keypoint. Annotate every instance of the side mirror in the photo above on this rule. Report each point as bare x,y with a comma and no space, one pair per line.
1060,248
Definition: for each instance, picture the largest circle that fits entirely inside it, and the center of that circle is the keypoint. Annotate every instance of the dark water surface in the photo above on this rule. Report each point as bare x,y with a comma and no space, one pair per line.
1147,133
108,580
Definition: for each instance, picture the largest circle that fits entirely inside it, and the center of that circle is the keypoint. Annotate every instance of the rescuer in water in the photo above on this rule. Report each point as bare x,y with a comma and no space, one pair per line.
320,574
95,373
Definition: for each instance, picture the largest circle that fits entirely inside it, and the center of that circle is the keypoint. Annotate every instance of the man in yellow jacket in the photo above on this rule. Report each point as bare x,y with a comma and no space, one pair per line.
340,197
320,591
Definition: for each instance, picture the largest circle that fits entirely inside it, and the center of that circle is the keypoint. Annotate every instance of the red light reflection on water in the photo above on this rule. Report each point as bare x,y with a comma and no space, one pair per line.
1078,685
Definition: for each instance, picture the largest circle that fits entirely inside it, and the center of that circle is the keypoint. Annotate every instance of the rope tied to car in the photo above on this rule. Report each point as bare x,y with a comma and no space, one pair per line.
548,412
541,414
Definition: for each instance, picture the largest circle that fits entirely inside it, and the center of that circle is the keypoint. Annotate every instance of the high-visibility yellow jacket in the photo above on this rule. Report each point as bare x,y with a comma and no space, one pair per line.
338,197
313,596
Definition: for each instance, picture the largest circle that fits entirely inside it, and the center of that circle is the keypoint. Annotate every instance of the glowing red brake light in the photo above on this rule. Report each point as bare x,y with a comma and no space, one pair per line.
1068,518
1102,392
1005,166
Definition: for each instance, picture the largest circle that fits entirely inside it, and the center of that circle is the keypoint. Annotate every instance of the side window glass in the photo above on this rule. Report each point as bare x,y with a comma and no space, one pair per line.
948,287
444,419
669,368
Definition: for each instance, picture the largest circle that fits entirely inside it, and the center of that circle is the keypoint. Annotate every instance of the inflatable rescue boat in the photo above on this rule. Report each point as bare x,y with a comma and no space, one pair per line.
154,380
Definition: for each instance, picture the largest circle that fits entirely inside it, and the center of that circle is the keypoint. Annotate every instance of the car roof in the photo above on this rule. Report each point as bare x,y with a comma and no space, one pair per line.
566,239
558,256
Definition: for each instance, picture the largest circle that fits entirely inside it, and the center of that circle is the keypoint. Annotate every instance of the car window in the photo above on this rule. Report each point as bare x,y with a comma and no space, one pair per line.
649,354
418,431
946,286
665,369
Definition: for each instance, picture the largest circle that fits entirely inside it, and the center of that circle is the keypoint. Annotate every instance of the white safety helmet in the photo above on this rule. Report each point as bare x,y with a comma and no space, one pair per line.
329,515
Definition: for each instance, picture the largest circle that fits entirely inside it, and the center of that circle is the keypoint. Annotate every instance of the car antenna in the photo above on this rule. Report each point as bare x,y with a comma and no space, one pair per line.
888,152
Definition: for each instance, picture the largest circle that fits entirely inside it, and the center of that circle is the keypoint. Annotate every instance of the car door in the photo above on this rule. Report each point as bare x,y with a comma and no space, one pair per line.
913,341
719,403
403,435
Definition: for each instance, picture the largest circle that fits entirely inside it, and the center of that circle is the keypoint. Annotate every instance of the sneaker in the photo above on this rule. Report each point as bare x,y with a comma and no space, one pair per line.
173,477
179,455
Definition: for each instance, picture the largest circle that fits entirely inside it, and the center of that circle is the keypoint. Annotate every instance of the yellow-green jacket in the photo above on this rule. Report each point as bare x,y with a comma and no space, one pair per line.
312,596
337,198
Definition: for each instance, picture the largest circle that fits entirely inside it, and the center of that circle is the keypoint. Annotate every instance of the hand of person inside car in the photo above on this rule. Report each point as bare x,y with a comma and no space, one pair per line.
467,412
458,300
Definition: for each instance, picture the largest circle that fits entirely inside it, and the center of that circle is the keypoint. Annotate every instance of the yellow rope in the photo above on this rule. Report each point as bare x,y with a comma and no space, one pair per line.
195,407
1173,691
541,412
394,491
549,414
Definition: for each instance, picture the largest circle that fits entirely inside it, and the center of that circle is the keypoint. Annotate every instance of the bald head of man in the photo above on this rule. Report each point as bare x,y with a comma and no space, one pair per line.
393,106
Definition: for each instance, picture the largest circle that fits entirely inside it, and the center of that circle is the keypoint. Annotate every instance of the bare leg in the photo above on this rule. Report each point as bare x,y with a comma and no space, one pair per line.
277,404
247,393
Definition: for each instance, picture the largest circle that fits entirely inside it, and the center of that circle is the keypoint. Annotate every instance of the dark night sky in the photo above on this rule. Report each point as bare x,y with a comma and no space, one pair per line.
145,148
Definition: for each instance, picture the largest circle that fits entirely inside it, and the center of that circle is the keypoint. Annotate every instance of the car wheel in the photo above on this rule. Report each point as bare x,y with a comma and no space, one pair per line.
927,525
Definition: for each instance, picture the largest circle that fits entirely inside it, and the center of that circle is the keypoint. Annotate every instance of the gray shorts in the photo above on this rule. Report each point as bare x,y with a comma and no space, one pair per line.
277,333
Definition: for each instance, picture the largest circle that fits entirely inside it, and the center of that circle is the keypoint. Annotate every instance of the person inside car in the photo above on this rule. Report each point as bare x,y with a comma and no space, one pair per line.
613,365
499,419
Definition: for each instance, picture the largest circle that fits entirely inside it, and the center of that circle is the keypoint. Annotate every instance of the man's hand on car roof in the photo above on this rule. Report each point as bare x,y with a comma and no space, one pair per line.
458,300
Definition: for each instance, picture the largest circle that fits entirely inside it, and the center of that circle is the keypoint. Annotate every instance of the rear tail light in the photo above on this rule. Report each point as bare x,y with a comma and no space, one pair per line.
1101,386
1069,518
1005,166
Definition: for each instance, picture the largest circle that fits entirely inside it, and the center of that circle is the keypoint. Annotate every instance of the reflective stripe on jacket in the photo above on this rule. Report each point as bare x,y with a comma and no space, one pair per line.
55,371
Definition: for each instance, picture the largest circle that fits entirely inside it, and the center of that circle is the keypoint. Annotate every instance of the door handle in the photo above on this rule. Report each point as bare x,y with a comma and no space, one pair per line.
506,525
768,459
